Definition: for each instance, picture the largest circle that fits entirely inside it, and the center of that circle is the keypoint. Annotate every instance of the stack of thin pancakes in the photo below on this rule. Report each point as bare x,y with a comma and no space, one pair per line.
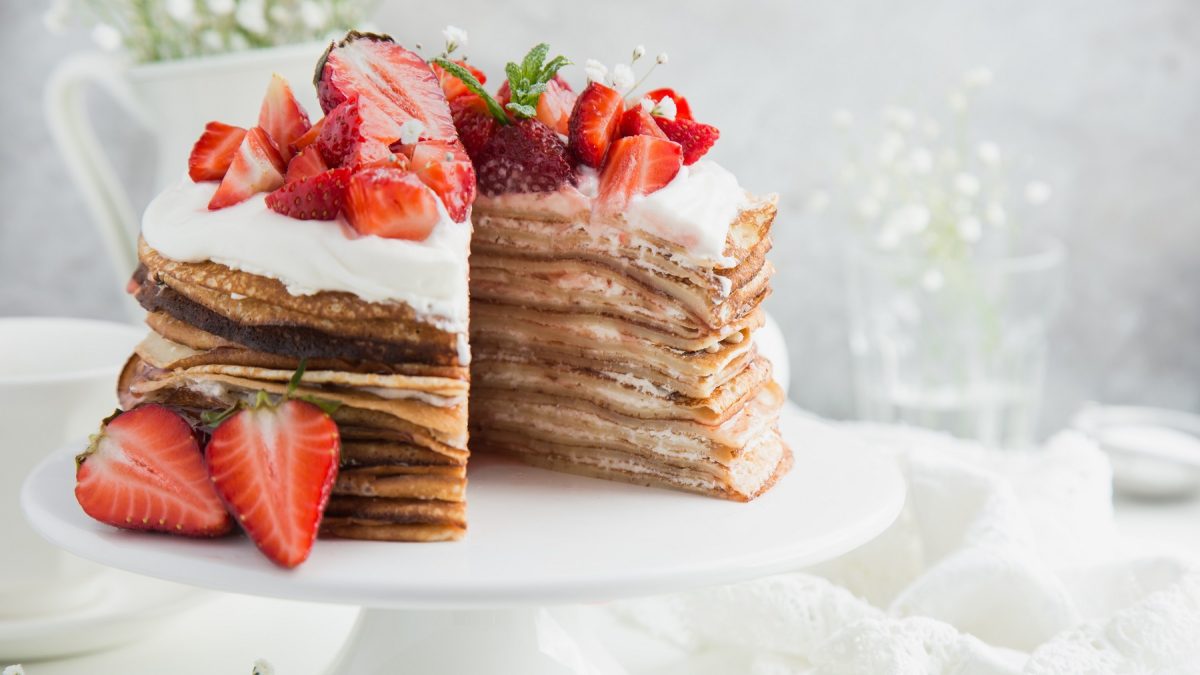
220,335
614,354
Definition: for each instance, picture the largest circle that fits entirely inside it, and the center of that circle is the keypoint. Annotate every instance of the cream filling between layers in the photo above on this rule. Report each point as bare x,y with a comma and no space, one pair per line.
309,256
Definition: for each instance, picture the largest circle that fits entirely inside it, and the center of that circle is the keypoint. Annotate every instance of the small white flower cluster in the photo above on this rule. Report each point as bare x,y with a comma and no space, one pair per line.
262,667
664,107
15,669
919,191
176,29
456,39
622,77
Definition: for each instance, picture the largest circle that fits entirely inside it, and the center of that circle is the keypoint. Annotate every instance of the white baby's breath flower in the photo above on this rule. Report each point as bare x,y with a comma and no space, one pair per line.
211,40
262,667
456,38
970,229
908,219
313,15
220,7
15,669
817,201
967,184
238,42
842,118
977,78
995,215
901,118
957,101
661,58
989,153
920,160
251,16
622,78
280,14
411,130
1037,192
932,280
57,17
638,52
106,37
647,104
595,71
666,108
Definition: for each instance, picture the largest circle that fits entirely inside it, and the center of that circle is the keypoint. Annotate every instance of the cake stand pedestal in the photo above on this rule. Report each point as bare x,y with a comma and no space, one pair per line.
537,540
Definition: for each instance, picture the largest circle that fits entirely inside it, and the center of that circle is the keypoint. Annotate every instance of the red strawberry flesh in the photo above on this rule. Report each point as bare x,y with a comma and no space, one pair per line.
391,203
696,138
318,197
214,151
525,156
275,467
145,471
683,111
637,121
256,167
637,165
282,116
306,164
594,123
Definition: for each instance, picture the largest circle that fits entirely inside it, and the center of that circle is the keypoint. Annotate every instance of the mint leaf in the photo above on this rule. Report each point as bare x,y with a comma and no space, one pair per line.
522,110
527,80
294,383
472,84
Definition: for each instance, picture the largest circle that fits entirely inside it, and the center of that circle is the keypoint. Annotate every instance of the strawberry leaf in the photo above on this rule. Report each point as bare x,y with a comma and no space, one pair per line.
473,85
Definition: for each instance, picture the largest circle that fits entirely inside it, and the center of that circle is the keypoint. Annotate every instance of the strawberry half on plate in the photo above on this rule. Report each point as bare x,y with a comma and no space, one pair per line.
144,471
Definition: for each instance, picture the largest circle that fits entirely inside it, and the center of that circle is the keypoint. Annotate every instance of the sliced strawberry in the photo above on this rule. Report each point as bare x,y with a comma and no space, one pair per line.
275,467
475,124
445,167
309,137
637,165
257,167
683,111
144,471
306,164
555,105
391,203
594,124
525,156
396,80
636,121
214,151
318,197
282,116
354,133
696,138
451,85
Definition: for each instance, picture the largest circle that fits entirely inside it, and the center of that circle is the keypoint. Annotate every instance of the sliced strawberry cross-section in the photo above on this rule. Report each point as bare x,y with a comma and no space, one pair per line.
257,167
637,165
307,163
555,105
355,132
316,197
445,167
274,465
144,471
594,124
282,116
391,203
309,136
637,121
399,82
696,138
214,151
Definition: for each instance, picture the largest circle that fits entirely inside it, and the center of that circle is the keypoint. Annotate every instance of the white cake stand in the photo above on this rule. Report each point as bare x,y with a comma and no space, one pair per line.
536,539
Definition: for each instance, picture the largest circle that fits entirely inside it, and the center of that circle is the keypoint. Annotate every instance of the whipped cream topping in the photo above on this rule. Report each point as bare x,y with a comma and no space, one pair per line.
309,256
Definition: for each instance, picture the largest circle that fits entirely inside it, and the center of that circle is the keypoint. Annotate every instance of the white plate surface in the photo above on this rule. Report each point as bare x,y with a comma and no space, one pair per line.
536,537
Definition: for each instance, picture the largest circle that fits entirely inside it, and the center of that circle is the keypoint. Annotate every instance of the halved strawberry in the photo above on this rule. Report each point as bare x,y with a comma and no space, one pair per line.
555,105
424,152
474,123
214,151
637,165
257,167
391,203
144,471
354,133
282,116
594,124
318,197
683,111
696,138
306,164
451,85
309,137
525,156
636,121
396,80
445,167
274,465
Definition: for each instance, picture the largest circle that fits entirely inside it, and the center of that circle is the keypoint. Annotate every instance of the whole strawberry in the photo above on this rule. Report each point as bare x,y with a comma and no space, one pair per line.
525,156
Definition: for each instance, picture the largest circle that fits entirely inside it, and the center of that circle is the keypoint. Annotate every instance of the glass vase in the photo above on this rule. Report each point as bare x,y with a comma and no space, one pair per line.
956,344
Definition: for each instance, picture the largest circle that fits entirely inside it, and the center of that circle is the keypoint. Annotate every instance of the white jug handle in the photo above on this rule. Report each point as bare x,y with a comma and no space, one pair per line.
81,150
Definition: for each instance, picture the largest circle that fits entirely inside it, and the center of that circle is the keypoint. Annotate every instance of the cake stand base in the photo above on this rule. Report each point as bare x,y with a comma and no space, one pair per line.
531,641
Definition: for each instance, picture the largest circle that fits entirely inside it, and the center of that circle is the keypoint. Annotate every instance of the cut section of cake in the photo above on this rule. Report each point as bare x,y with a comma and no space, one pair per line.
616,283
339,248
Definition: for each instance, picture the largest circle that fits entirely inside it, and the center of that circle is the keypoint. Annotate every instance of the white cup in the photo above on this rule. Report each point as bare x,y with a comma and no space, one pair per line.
57,381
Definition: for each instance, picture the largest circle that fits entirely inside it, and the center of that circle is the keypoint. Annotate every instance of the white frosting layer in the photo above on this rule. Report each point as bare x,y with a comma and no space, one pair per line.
694,210
309,256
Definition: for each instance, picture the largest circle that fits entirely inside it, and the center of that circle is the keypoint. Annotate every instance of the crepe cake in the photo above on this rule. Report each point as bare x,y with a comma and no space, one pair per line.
616,284
340,245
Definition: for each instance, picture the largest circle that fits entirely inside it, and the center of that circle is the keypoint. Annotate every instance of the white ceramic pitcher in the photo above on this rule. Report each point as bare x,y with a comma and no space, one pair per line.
173,100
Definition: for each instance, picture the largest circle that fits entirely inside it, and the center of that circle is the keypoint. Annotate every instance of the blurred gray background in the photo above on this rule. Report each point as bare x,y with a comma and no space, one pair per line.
1105,94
